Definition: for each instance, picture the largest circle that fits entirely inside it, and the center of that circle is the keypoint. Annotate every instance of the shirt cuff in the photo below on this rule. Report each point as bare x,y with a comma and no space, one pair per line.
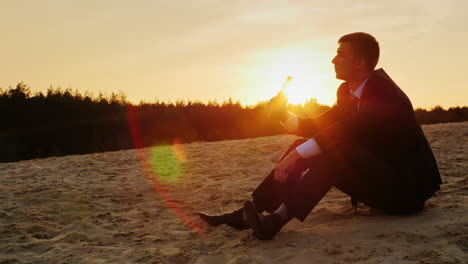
308,149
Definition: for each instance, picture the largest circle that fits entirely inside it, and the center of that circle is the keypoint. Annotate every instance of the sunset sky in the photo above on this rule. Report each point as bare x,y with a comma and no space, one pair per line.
213,50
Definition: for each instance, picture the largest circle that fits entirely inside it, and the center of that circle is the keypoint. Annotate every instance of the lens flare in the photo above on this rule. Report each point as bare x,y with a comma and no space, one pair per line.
178,151
167,165
162,164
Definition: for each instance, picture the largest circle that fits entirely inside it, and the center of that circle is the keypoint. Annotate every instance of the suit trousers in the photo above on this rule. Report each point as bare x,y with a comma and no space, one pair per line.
309,182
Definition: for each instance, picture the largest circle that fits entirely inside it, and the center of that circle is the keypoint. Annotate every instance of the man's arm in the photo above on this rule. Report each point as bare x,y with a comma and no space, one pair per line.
306,150
308,127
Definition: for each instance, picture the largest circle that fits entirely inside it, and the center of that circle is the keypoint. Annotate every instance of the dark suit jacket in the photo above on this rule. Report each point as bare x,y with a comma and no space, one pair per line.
381,143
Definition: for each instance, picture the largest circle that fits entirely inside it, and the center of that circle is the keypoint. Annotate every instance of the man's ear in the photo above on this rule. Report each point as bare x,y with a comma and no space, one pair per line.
360,63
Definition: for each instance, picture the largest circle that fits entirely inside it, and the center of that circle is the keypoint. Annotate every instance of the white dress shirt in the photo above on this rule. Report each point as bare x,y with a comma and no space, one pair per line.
310,148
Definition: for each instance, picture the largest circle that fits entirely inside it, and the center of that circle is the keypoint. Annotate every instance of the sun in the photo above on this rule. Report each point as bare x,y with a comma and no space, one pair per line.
306,80
301,88
307,69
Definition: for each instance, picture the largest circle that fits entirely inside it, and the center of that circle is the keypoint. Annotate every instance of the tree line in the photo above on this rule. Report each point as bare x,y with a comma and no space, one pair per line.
64,122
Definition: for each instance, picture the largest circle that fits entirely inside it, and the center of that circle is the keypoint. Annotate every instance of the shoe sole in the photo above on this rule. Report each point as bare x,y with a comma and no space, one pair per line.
208,219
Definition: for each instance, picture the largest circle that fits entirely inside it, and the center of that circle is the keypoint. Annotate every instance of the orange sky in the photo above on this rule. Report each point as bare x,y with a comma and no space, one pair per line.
213,50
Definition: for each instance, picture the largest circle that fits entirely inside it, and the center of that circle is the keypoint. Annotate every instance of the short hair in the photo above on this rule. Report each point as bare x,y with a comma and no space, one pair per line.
365,46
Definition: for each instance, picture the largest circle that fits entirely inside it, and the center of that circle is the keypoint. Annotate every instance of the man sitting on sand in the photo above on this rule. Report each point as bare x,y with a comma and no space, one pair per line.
369,145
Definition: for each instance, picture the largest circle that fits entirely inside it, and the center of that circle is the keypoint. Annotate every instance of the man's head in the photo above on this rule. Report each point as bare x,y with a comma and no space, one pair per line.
357,54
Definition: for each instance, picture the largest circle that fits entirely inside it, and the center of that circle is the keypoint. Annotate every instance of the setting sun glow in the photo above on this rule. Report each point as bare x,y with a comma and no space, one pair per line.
215,50
303,68
299,90
307,69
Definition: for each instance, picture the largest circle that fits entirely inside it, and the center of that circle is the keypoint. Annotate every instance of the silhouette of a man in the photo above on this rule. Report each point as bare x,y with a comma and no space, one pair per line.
369,145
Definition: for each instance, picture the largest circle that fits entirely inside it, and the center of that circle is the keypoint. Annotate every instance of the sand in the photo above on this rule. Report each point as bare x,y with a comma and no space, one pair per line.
109,208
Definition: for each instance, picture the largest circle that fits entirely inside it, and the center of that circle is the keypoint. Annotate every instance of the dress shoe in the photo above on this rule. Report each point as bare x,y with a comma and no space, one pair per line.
233,219
265,227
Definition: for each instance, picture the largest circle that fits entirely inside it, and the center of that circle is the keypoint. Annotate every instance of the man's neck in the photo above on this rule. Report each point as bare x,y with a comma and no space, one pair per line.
355,82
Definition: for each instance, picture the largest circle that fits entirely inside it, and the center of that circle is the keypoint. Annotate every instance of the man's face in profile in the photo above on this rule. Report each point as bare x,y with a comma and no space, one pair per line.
345,62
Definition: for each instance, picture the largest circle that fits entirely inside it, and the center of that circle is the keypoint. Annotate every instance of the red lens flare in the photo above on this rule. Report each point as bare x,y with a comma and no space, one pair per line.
163,163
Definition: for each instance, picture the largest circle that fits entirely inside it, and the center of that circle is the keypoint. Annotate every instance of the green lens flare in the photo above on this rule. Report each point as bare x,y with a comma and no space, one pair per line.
166,165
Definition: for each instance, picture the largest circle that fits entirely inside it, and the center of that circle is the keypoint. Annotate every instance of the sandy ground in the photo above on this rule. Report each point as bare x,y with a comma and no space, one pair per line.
110,208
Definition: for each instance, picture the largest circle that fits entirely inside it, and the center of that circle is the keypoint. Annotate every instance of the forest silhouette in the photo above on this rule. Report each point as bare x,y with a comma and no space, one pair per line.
63,122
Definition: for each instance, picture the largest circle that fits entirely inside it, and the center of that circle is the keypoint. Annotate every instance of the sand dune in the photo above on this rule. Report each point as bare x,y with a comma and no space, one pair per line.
110,208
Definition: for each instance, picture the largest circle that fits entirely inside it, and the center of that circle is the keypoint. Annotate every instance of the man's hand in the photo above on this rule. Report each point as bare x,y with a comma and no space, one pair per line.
286,165
276,107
